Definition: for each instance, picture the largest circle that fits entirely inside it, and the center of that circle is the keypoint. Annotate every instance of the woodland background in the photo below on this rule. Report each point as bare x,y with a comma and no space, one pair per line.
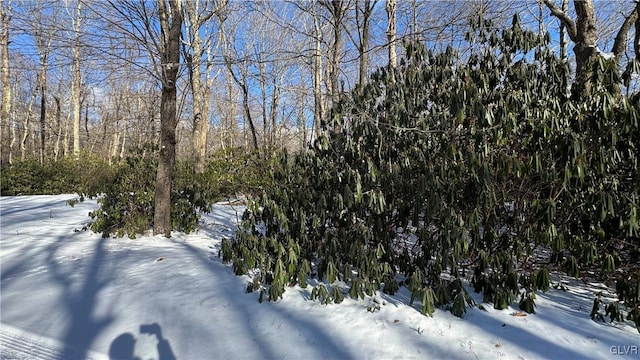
83,76
383,144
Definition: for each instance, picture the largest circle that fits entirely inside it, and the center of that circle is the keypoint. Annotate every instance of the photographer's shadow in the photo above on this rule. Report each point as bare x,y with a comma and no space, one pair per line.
123,347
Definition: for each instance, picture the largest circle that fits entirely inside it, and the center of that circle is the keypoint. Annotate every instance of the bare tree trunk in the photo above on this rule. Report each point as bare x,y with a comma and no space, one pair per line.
171,28
585,47
199,134
85,101
56,149
233,109
115,137
247,110
363,19
636,38
65,143
564,47
6,88
206,92
106,146
43,109
44,47
143,127
337,10
275,105
242,84
13,142
199,89
391,32
25,128
75,88
583,33
122,148
263,93
318,113
302,119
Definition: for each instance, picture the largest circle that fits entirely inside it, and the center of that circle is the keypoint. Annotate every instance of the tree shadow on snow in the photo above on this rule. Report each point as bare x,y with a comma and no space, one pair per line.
80,299
13,207
523,338
577,308
218,224
319,343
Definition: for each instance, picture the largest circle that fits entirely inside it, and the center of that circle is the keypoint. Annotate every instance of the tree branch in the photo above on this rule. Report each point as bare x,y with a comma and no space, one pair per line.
620,43
564,18
636,40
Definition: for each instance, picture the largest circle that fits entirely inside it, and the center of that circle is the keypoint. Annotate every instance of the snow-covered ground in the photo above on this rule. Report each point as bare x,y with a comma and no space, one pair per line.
67,293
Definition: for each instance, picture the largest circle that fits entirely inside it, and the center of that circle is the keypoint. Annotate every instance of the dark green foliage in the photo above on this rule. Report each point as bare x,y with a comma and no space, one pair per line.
428,301
629,294
126,208
527,302
461,299
634,315
127,203
448,163
613,311
531,282
225,249
543,279
337,295
321,293
233,172
390,285
126,190
86,175
595,310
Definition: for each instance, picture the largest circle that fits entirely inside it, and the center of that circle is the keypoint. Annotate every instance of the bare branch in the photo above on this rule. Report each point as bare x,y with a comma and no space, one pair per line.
636,39
620,43
564,17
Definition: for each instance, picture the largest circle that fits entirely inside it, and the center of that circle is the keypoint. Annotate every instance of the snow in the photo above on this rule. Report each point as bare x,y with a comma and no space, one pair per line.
67,293
605,55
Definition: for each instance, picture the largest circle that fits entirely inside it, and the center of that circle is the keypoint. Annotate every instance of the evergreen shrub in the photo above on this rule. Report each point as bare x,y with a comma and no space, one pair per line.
127,204
86,174
448,168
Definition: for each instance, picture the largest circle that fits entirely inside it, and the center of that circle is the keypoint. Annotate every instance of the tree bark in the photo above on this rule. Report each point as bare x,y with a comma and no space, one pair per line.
75,88
336,8
583,33
621,41
318,113
247,110
26,123
391,32
43,108
563,33
43,40
275,104
171,27
266,134
585,48
636,38
363,19
199,89
56,149
230,126
242,83
5,110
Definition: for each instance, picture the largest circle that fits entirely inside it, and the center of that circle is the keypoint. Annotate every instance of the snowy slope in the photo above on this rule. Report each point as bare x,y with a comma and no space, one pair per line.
67,293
